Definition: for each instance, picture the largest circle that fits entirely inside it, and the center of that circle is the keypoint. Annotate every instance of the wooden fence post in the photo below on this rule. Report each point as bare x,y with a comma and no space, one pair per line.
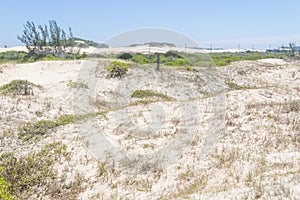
158,62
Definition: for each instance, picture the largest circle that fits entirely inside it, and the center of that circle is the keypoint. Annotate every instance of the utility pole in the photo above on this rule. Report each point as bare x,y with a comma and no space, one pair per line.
239,47
252,47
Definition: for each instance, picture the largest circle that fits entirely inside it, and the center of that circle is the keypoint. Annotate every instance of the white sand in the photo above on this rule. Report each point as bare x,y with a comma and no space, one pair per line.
256,155
16,48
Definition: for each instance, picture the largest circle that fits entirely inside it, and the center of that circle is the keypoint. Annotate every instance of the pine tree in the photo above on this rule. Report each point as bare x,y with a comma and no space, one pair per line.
44,40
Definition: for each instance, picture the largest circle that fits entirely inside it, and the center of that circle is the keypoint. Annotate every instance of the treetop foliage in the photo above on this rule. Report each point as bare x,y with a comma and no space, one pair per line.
50,39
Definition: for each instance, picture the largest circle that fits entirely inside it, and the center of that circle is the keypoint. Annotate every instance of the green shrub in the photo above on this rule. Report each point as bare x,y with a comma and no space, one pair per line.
171,58
173,54
221,59
117,69
178,62
33,57
221,62
125,56
72,56
12,56
30,171
16,87
4,188
141,59
189,68
23,57
48,57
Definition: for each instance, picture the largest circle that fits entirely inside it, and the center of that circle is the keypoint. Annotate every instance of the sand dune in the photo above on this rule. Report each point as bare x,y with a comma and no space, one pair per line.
252,128
16,48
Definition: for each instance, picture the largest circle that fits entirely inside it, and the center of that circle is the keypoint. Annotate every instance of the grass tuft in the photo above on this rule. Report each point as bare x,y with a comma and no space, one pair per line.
16,87
77,85
149,93
33,130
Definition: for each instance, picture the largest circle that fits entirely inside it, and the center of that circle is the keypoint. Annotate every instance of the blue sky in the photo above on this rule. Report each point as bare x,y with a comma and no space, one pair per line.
223,23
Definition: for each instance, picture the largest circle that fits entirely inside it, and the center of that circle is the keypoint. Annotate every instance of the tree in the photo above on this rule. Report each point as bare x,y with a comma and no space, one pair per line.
44,40
45,35
292,49
30,36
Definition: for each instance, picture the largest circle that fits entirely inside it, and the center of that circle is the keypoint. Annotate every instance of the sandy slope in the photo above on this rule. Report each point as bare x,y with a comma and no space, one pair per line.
255,155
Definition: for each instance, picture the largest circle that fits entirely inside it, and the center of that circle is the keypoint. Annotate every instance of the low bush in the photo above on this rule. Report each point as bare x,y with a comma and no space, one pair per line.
23,57
142,59
12,56
178,62
4,188
173,54
125,56
117,69
171,58
221,59
23,174
17,87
